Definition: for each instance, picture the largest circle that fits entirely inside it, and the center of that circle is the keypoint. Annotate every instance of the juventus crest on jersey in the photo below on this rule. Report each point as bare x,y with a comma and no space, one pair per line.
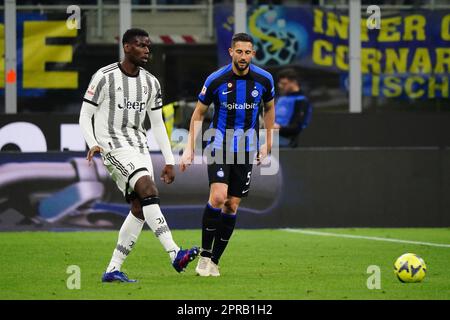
122,101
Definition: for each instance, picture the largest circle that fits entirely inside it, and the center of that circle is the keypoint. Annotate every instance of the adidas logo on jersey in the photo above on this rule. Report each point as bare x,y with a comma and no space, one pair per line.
136,105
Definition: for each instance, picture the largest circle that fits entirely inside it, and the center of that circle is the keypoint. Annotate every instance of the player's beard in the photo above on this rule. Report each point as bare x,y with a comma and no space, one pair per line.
236,64
138,62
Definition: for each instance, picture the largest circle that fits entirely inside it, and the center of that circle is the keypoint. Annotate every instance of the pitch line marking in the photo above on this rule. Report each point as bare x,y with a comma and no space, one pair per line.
351,236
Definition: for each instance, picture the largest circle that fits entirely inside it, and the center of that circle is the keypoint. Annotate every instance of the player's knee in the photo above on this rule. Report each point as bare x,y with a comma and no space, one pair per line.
230,207
135,205
145,188
217,200
148,192
136,209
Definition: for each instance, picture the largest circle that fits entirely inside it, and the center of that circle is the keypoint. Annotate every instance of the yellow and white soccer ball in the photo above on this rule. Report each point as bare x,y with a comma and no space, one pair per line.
409,267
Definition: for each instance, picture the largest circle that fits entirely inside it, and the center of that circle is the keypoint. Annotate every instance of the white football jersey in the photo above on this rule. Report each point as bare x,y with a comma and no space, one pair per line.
122,102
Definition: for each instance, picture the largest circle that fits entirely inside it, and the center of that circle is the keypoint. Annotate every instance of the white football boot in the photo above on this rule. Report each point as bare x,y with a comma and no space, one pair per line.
202,268
213,269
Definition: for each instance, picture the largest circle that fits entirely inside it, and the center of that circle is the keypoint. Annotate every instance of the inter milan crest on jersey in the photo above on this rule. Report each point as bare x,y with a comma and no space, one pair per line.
255,93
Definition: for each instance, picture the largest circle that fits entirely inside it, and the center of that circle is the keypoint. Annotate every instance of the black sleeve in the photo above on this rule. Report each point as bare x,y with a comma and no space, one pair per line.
294,126
206,96
269,92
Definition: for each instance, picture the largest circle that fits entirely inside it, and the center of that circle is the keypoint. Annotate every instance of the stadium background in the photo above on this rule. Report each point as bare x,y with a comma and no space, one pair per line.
388,166
376,168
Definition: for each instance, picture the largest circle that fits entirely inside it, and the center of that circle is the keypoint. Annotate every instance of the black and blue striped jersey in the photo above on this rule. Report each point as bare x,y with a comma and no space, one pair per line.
237,105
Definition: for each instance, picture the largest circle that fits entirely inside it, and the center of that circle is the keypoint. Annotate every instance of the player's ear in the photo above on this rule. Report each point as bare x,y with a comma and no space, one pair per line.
230,51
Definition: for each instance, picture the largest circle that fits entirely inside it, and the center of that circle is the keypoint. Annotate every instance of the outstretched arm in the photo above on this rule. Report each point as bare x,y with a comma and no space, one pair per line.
269,119
160,133
161,137
195,128
85,121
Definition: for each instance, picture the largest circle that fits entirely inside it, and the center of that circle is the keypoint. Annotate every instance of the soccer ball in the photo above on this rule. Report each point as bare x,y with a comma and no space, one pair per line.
409,267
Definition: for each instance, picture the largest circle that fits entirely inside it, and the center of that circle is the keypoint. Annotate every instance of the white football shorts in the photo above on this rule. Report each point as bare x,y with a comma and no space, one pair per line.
126,165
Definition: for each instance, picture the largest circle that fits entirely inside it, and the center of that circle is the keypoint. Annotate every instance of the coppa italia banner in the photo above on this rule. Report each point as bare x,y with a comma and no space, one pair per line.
408,57
45,51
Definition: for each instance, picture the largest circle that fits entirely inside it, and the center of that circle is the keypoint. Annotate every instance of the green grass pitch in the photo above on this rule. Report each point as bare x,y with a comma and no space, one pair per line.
258,264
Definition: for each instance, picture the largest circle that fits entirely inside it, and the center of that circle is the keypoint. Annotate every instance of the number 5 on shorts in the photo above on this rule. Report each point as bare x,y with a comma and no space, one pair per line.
248,177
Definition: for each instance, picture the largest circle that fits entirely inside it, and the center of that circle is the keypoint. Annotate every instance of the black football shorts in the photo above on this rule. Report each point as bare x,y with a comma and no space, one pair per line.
236,176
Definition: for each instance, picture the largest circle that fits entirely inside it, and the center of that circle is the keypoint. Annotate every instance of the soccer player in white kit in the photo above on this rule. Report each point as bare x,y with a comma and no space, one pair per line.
118,97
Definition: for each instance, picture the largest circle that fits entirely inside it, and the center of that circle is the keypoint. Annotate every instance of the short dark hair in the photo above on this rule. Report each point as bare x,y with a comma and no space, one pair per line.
289,73
241,37
130,34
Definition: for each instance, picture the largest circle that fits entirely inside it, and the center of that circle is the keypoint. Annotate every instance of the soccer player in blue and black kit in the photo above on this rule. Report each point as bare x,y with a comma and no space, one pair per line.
239,92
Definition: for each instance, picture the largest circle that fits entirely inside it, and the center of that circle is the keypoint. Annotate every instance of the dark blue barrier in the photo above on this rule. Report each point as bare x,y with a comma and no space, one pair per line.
315,187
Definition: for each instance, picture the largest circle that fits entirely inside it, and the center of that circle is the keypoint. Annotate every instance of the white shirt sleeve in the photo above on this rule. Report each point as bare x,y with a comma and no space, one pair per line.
93,97
154,111
95,91
85,121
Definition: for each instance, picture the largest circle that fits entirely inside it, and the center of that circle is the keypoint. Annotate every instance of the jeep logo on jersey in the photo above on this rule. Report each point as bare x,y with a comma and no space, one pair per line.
136,105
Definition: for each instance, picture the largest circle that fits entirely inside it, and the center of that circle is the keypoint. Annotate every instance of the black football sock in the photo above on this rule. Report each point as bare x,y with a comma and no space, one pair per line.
211,218
223,235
